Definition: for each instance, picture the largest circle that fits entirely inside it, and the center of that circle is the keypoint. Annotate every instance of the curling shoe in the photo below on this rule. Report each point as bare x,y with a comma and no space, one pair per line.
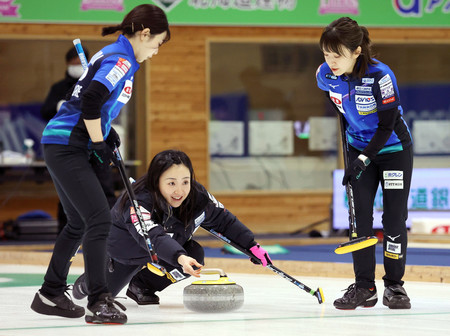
357,297
60,305
395,297
104,311
79,290
142,296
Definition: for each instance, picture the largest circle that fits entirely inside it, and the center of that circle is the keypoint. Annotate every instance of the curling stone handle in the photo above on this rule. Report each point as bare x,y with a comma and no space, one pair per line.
213,271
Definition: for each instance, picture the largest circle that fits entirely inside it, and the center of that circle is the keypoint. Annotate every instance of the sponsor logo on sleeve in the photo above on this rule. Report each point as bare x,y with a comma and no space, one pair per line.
199,220
216,202
385,79
389,100
146,216
118,71
337,100
125,95
387,89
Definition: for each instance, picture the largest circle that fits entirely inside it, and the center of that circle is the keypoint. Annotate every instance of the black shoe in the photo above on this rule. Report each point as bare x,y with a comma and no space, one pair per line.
395,297
142,296
60,305
357,297
104,311
79,290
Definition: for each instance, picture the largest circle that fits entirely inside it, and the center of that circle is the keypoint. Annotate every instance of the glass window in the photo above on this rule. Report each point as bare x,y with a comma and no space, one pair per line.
272,128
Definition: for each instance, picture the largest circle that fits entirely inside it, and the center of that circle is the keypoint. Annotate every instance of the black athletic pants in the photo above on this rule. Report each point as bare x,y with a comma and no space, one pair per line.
119,275
88,220
394,172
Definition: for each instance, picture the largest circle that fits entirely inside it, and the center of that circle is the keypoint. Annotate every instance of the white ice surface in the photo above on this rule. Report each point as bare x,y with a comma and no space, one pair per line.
273,306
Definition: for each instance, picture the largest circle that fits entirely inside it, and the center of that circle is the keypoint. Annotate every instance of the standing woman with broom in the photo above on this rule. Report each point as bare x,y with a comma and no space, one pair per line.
379,149
82,129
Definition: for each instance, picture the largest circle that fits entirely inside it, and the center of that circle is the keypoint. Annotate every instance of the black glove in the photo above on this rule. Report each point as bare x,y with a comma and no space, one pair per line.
353,173
103,154
113,139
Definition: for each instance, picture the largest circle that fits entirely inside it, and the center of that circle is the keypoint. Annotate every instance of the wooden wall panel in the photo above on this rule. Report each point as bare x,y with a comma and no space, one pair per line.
177,109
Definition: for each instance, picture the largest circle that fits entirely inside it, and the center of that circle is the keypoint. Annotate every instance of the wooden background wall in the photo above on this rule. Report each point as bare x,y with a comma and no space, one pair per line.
175,110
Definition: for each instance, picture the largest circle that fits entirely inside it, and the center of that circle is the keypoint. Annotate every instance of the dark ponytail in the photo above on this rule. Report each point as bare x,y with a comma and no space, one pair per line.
345,32
139,18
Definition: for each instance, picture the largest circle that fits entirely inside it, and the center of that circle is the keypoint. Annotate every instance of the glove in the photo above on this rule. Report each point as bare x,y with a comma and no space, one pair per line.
353,173
113,139
261,255
102,154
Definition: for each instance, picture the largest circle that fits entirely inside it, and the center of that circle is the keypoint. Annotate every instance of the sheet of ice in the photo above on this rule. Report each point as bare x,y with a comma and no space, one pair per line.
272,306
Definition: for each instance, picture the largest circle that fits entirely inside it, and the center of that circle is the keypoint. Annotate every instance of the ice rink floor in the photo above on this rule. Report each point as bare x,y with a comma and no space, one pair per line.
272,306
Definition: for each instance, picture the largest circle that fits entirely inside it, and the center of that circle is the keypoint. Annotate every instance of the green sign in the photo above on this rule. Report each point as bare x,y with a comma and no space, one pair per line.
281,13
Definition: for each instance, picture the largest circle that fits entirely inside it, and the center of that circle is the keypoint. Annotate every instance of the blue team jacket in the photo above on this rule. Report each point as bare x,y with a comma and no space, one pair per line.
360,99
113,66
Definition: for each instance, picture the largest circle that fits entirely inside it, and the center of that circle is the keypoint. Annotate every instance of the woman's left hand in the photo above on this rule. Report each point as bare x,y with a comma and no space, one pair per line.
187,264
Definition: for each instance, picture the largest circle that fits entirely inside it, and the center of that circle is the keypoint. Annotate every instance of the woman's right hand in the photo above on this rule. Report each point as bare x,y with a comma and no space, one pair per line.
187,262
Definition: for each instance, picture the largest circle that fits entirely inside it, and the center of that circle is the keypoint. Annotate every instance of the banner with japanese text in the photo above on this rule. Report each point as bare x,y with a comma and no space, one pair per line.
280,13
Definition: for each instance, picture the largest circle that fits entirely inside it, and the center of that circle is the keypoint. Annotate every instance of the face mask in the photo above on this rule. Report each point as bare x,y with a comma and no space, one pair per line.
75,71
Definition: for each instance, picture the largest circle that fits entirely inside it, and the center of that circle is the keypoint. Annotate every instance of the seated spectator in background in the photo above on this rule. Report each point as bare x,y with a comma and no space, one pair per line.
59,90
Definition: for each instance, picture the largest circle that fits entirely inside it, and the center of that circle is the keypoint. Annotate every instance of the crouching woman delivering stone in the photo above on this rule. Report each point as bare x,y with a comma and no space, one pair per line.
174,205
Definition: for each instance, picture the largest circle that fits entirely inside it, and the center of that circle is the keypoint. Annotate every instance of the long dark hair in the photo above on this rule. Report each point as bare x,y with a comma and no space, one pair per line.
139,18
150,181
345,32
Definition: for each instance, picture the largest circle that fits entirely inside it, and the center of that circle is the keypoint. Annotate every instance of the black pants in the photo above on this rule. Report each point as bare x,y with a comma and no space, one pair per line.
395,212
88,220
119,275
105,177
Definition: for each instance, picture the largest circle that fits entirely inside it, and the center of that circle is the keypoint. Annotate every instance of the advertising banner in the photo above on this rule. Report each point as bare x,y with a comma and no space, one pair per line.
280,13
428,198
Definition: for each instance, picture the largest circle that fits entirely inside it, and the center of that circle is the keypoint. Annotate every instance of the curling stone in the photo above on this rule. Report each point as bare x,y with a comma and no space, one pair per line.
213,296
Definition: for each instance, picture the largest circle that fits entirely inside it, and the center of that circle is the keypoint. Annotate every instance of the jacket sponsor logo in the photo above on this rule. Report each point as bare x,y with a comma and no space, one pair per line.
389,100
361,110
393,247
125,95
148,223
363,90
199,220
393,184
393,175
330,76
216,202
364,99
333,86
118,71
387,91
368,80
337,100
76,91
386,79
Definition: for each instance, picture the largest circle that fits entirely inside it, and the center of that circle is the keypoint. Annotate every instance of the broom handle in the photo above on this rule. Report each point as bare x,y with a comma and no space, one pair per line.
317,293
